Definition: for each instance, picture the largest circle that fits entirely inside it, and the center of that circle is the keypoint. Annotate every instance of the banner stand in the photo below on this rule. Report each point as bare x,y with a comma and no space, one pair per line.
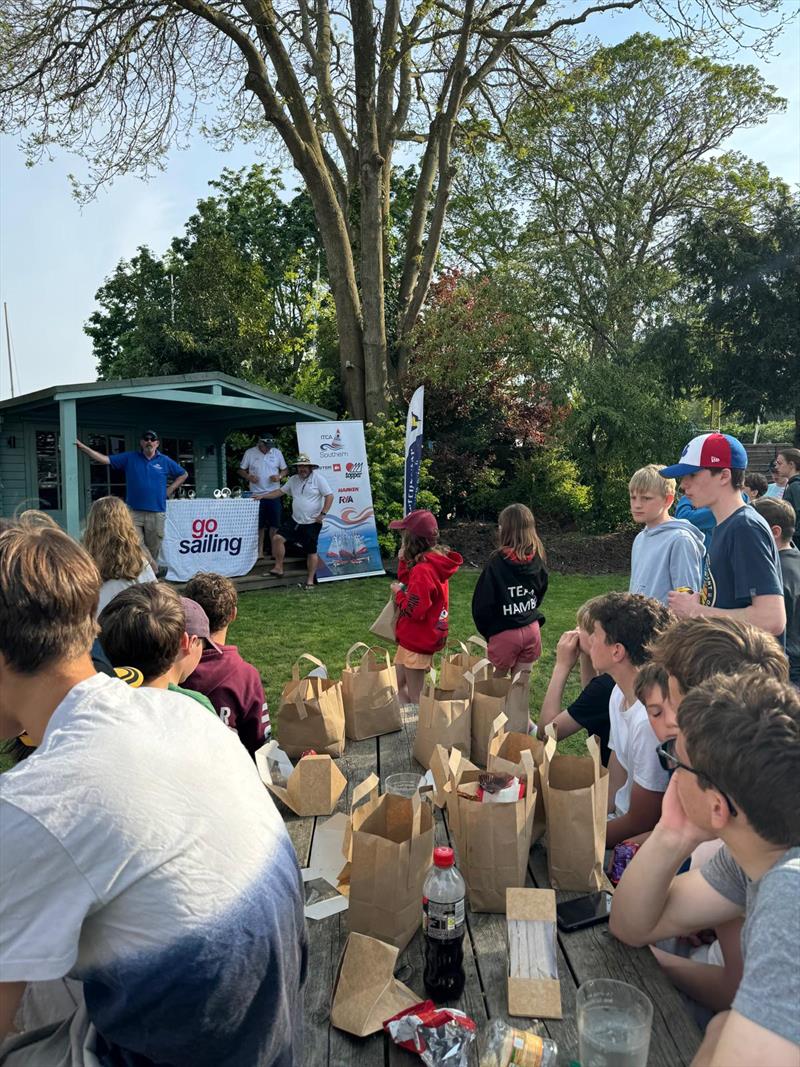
348,542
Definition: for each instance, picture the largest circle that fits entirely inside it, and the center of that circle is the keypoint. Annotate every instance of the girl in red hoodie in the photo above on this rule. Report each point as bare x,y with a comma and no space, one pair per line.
422,595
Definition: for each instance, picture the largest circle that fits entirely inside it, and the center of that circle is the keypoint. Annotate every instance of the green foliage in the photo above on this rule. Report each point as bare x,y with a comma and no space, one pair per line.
779,431
484,362
237,292
385,440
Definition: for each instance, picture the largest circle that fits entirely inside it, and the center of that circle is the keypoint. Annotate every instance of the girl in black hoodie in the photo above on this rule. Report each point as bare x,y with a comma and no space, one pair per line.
509,593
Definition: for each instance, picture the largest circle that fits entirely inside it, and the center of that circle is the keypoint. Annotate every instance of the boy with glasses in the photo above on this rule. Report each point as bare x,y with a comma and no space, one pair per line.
736,763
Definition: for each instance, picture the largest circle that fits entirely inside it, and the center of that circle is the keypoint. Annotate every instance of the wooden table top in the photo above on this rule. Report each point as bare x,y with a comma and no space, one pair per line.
584,954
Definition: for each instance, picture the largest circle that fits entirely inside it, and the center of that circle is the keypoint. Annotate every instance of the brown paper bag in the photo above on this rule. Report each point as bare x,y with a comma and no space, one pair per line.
365,992
444,719
576,803
369,693
311,714
534,990
455,664
313,787
492,840
385,625
390,850
492,697
505,757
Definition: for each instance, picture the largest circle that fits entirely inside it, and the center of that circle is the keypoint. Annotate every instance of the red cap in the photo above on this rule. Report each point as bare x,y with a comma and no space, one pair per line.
421,523
443,857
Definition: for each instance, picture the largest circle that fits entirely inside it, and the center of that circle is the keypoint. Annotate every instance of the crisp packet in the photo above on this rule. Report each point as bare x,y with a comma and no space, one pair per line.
499,789
441,1037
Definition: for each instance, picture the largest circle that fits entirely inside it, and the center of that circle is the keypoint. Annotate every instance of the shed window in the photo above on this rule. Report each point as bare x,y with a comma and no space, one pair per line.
103,479
181,449
48,472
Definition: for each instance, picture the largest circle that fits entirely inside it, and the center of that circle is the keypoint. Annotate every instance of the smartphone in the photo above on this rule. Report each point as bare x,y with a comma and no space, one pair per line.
583,911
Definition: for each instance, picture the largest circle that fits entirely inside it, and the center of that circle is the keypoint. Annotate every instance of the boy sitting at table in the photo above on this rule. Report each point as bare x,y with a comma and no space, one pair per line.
736,763
625,624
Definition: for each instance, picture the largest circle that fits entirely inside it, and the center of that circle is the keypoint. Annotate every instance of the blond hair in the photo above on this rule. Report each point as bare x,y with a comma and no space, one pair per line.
584,616
648,480
111,540
49,589
518,532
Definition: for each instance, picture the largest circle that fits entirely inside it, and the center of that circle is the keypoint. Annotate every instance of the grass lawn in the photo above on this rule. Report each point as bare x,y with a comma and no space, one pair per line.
274,627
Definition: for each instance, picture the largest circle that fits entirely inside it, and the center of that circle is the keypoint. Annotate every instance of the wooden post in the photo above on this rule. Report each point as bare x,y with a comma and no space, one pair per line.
68,432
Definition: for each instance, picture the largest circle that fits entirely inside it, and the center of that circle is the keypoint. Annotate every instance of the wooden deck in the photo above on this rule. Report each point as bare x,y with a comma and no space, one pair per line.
585,954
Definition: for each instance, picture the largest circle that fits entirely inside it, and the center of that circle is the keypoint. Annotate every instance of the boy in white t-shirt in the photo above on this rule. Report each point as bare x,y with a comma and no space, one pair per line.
624,625
141,854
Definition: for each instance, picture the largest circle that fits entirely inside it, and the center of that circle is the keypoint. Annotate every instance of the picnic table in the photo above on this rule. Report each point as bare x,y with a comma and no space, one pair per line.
584,954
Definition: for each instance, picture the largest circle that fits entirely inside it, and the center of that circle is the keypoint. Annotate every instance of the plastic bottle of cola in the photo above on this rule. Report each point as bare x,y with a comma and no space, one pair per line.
443,927
506,1046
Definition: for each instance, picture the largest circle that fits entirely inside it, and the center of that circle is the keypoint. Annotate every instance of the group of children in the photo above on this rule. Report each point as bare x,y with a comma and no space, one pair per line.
684,680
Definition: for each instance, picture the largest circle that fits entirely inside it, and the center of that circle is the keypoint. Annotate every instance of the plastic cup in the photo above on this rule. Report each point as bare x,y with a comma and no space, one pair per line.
402,785
614,1024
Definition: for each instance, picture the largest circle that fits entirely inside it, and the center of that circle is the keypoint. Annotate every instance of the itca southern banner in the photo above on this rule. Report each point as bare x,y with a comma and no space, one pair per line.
348,542
210,535
413,450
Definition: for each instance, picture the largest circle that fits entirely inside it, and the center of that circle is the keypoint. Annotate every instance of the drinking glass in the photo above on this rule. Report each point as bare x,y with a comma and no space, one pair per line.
614,1023
402,785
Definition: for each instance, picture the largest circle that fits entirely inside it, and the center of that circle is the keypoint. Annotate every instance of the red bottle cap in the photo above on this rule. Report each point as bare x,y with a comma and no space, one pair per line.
443,857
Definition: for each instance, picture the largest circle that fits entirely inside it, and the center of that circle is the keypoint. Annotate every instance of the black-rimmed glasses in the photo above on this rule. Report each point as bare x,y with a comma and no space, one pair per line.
670,762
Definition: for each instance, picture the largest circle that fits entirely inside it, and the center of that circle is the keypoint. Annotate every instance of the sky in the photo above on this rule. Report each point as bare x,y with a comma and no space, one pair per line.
55,254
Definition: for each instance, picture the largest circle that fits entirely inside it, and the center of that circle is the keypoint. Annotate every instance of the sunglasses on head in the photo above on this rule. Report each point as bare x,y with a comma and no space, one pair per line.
670,762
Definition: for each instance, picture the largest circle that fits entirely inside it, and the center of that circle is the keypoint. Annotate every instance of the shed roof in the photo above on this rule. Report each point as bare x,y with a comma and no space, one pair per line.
232,399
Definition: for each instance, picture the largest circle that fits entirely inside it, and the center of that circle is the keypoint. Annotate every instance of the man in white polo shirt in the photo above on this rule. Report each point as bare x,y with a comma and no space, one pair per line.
311,501
262,467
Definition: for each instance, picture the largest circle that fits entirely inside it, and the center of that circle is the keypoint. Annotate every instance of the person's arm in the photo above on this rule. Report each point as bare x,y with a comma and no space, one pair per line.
587,670
731,1040
415,600
255,715
10,999
567,652
685,562
641,816
766,612
651,902
273,494
709,984
173,487
95,457
326,507
617,776
248,477
563,724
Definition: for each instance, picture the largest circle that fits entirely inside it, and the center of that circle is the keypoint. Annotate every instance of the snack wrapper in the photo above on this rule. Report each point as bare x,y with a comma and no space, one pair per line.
441,1037
499,789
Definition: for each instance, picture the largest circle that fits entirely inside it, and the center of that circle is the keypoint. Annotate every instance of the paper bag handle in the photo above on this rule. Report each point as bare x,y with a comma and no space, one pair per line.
372,650
479,666
550,731
549,748
364,789
351,650
498,726
476,640
594,752
296,666
416,814
526,759
300,701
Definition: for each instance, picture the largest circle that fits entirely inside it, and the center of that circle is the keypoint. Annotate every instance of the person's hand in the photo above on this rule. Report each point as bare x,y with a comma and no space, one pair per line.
396,587
568,649
684,605
252,477
674,820
274,477
320,518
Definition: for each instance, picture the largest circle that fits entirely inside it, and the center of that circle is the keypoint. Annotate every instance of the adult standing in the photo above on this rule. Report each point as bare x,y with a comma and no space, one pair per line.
262,467
147,486
312,498
787,465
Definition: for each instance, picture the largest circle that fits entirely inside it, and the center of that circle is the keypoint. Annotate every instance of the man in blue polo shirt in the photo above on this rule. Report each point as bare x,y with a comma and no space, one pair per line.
147,486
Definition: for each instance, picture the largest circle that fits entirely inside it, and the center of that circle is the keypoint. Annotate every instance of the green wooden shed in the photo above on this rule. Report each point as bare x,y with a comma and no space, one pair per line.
40,467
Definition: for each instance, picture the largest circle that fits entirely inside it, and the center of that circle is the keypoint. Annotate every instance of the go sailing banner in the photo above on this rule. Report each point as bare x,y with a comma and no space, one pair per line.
210,535
413,450
348,541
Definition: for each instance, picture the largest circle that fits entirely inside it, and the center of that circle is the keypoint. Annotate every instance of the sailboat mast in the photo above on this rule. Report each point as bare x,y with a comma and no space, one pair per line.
8,346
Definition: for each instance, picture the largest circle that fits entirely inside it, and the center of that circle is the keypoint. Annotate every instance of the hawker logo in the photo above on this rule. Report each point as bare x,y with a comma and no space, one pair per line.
205,539
353,470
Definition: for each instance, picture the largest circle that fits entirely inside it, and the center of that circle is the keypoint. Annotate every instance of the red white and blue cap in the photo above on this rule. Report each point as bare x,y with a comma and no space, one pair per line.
709,451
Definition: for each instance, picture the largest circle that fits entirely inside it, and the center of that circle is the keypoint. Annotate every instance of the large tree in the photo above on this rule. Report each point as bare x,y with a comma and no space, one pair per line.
592,189
341,83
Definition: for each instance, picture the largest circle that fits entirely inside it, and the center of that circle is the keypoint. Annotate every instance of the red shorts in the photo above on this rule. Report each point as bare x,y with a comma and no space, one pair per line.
512,648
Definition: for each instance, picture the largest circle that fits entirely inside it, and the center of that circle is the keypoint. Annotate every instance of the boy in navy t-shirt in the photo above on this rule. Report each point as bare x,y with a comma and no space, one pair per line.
742,572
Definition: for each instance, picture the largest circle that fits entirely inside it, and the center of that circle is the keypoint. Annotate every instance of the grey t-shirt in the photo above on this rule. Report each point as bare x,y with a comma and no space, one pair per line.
769,993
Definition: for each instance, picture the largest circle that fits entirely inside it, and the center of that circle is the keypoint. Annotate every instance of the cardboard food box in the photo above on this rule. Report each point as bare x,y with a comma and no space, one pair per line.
534,990
313,787
365,992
